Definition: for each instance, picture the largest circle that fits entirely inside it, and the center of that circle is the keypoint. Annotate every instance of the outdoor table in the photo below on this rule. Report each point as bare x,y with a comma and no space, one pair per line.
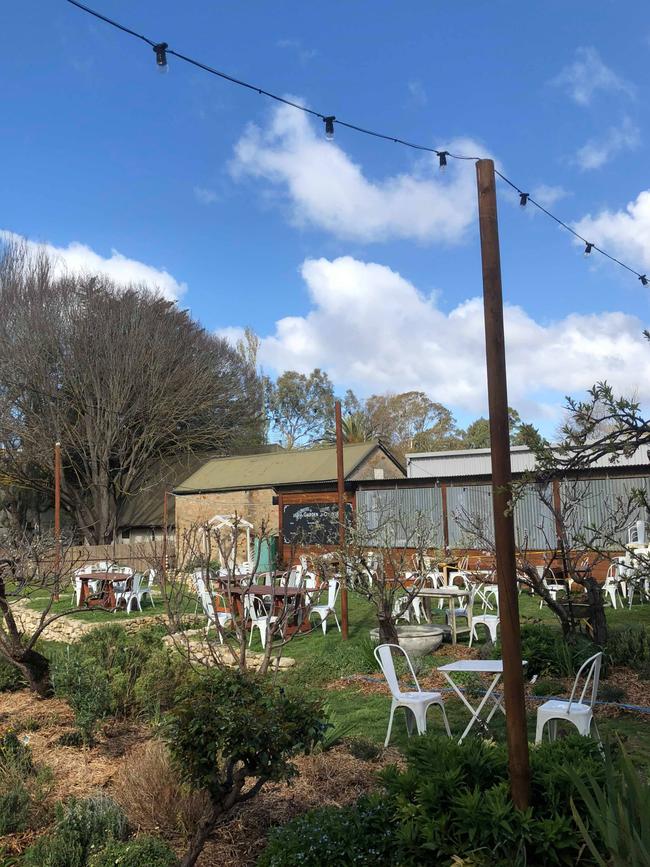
105,597
453,594
289,600
477,666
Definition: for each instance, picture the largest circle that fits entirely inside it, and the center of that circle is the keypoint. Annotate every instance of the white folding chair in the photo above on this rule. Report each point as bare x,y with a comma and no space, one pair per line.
611,586
416,702
578,713
324,611
490,621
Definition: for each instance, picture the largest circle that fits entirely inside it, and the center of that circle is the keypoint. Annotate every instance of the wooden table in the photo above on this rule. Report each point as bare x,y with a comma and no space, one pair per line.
453,594
289,601
105,596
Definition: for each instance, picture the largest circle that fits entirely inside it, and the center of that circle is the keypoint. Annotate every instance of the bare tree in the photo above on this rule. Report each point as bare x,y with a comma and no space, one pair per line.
30,568
380,548
124,379
213,554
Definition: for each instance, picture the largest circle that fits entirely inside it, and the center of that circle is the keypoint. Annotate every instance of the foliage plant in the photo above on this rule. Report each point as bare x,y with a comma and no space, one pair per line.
357,835
82,826
16,769
123,656
231,729
451,805
142,851
618,810
549,653
86,688
629,646
10,677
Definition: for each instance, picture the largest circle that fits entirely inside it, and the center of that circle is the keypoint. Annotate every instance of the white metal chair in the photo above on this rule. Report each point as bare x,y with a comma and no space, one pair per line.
611,586
131,597
324,611
490,621
147,590
553,586
215,617
415,702
579,713
121,588
255,611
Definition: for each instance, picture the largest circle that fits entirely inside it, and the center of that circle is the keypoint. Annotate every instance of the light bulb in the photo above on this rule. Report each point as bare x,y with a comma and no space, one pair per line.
329,127
161,57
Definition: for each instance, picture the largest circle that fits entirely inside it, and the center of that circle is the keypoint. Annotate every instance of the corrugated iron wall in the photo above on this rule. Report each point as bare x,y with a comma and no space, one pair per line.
395,512
586,503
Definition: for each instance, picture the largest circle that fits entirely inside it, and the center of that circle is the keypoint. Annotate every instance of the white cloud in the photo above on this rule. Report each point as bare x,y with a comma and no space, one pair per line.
205,196
587,75
625,233
373,330
597,151
325,188
304,54
78,258
548,195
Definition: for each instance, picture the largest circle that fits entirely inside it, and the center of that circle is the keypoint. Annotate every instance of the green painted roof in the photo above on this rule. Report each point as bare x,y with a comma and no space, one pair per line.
276,468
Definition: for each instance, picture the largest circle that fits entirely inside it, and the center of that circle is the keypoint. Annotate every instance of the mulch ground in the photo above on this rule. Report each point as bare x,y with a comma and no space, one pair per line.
332,778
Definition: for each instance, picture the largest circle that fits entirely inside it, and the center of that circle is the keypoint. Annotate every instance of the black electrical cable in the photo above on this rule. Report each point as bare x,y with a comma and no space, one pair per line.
332,119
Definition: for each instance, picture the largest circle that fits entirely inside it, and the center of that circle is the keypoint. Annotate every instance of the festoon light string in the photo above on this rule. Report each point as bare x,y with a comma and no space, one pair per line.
162,50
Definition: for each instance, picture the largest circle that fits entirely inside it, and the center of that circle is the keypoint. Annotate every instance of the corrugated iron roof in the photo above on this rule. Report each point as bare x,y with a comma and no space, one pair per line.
274,469
476,462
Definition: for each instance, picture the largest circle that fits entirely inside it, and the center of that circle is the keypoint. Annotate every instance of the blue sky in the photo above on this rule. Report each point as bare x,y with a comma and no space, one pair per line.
355,256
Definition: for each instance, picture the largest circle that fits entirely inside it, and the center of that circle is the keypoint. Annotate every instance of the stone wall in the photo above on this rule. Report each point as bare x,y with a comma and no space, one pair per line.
376,461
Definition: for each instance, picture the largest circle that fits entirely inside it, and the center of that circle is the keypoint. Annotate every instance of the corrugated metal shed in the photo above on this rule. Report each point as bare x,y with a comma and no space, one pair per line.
277,468
466,463
394,513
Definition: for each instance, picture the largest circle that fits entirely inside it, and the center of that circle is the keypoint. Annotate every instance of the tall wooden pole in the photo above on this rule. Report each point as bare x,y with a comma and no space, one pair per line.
57,517
504,530
164,539
340,478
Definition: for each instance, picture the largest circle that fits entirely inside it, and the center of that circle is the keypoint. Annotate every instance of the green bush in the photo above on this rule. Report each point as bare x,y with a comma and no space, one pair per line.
14,807
363,748
629,646
15,756
547,686
331,837
452,802
85,686
123,656
10,677
143,851
618,808
547,652
81,827
155,689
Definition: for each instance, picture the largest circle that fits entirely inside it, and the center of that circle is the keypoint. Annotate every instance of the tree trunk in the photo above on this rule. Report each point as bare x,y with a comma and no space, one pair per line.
35,668
203,831
597,617
387,630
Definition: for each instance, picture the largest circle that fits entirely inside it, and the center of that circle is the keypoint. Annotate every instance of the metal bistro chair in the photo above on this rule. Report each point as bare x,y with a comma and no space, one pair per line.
415,702
324,611
579,713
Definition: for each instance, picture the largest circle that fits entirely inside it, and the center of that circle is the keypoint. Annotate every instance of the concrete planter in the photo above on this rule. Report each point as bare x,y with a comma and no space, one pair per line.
417,640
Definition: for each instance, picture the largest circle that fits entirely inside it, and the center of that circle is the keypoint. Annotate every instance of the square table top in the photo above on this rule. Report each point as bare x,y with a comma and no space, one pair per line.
485,666
443,591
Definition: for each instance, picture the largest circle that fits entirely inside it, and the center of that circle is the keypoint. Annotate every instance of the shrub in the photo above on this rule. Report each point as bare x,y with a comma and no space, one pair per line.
363,748
358,835
547,686
85,686
14,807
81,826
10,677
548,652
154,690
629,646
149,790
142,851
15,756
618,808
452,805
229,728
123,656
612,693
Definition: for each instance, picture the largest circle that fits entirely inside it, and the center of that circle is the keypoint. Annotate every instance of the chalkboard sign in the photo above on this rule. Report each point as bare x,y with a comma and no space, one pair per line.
313,523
